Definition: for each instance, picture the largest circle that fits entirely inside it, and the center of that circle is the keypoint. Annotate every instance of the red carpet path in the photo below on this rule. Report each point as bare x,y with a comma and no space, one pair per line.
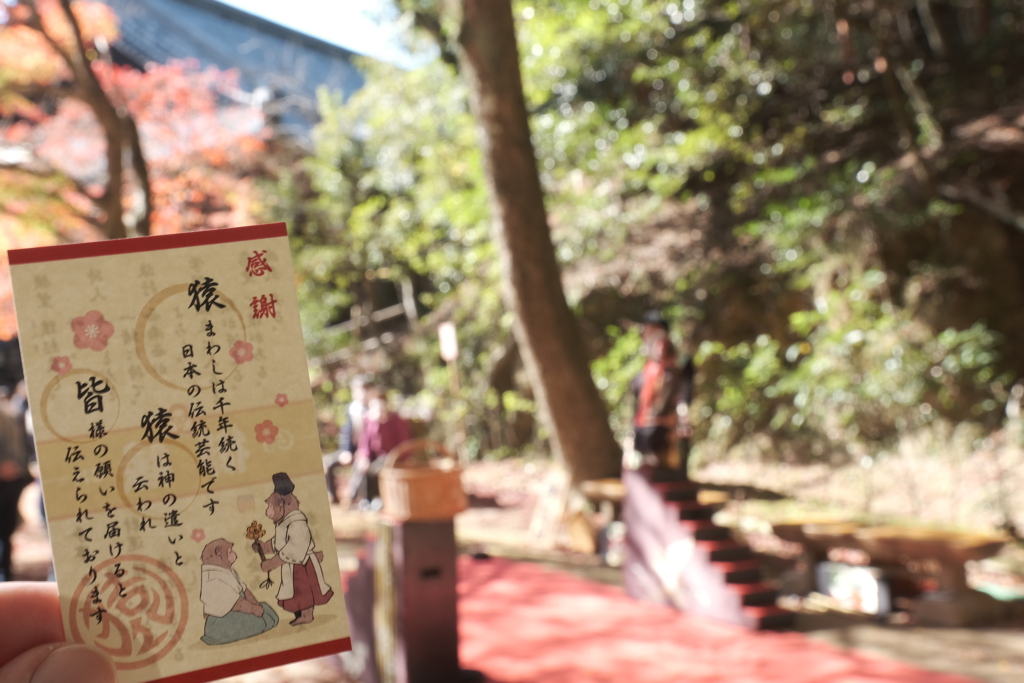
521,623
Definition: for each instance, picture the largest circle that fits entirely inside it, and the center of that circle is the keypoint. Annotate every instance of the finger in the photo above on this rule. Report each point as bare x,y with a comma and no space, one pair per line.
59,663
18,635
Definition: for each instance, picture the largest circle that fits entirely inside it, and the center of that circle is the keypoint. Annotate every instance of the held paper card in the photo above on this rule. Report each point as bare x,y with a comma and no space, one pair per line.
178,452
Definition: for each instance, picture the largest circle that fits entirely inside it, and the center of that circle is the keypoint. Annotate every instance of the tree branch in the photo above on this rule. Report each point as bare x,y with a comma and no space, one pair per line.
931,29
92,93
432,25
930,129
139,216
35,22
118,126
998,206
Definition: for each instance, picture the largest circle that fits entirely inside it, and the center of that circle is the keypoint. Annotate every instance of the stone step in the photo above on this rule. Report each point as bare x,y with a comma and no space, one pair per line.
681,495
691,509
726,550
755,594
676,490
740,571
769,617
664,476
706,530
665,511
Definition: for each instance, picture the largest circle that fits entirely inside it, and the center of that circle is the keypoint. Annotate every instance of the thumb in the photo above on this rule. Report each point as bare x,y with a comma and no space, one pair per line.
59,663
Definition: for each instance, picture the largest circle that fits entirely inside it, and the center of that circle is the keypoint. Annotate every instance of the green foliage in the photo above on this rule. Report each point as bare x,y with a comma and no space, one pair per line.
864,373
793,138
393,190
613,373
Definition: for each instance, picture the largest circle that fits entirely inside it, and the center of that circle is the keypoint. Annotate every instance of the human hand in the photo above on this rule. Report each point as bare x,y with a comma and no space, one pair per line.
258,610
33,649
319,555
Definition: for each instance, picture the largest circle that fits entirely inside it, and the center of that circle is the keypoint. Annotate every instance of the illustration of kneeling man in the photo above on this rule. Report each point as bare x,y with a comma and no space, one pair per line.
232,612
302,580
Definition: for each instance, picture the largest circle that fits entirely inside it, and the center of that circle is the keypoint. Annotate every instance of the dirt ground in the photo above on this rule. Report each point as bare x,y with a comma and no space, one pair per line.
509,499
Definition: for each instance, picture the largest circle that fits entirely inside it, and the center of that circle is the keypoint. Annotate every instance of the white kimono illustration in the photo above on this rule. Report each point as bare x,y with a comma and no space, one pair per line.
220,590
294,544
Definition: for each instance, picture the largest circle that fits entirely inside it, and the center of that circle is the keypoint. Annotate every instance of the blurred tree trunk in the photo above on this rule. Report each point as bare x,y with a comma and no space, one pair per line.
549,338
120,131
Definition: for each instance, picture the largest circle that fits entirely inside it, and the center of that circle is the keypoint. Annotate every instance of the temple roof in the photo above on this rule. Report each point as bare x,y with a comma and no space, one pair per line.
278,67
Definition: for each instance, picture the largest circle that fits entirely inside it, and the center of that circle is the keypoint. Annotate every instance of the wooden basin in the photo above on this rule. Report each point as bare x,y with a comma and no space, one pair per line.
792,529
890,543
603,489
825,535
710,497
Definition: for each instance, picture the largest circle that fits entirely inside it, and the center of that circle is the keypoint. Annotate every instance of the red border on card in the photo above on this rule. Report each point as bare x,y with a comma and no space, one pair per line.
64,252
264,662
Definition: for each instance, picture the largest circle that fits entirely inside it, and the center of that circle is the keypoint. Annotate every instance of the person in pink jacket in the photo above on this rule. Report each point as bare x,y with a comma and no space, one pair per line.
382,431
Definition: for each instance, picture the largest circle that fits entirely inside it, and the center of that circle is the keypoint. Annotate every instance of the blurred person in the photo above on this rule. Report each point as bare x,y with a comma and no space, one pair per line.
33,650
19,399
19,402
348,440
653,327
382,431
355,414
14,475
663,391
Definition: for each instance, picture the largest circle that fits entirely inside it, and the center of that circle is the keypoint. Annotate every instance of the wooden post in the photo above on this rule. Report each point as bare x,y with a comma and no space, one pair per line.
415,621
385,608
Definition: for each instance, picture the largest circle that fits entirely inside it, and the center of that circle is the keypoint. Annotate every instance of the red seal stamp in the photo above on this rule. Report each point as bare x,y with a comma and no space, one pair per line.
134,609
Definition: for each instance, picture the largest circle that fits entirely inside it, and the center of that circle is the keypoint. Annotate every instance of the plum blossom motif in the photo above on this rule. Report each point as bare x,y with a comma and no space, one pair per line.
281,400
241,352
198,535
266,432
61,365
92,331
